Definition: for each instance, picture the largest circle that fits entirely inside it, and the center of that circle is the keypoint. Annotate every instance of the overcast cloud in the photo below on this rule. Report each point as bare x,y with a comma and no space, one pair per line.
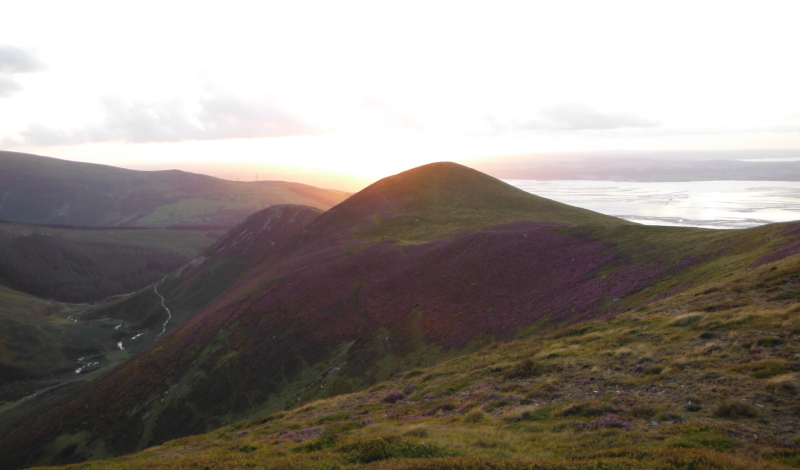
568,117
391,115
474,79
221,116
14,60
8,87
577,116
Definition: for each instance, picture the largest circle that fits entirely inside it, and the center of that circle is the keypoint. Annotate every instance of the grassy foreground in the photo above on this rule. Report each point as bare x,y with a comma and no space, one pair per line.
705,379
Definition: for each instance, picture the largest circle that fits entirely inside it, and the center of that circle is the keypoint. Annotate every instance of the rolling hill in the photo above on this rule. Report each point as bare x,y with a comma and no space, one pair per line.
434,264
42,190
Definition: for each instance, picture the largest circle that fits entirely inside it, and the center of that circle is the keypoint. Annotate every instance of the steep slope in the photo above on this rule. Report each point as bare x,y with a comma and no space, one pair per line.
142,315
38,190
365,291
706,379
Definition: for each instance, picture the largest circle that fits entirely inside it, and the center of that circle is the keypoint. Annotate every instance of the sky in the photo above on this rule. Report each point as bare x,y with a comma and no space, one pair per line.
360,90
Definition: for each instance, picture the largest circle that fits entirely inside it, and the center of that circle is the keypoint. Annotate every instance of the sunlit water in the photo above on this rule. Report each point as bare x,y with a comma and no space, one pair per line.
708,204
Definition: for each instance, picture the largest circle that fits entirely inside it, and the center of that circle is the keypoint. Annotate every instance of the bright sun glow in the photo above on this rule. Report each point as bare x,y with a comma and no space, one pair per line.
371,88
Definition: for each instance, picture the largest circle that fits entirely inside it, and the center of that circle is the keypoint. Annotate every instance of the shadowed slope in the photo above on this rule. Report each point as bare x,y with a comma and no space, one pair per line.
653,388
80,265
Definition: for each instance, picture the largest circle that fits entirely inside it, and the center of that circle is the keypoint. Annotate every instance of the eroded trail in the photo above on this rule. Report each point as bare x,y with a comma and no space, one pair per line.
163,304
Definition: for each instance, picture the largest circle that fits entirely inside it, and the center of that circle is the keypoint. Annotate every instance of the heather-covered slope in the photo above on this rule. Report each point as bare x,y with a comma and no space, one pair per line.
705,379
381,283
49,350
41,190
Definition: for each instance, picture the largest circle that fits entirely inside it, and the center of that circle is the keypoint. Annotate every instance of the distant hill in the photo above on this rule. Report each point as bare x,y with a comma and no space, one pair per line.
42,190
648,167
294,305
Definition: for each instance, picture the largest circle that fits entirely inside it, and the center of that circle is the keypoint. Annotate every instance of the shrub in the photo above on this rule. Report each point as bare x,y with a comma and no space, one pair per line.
388,447
668,417
769,342
418,431
334,417
769,369
701,438
475,416
686,319
786,384
435,409
588,409
301,434
610,421
393,397
693,405
643,412
526,413
527,368
653,370
735,409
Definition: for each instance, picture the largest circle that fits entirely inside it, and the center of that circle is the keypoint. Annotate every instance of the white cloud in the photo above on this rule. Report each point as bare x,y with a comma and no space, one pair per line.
220,116
15,59
568,117
8,87
391,115
579,117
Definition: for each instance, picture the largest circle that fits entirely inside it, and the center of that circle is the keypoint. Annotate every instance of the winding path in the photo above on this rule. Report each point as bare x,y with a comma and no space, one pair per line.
169,314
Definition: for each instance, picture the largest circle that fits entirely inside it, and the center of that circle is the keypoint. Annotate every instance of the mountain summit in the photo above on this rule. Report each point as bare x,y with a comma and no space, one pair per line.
440,199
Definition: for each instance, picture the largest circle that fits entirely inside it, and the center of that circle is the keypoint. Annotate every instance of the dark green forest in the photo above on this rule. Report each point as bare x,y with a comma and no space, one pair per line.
55,268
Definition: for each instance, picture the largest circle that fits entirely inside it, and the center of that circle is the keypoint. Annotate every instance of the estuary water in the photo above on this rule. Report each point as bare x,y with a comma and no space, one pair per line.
706,204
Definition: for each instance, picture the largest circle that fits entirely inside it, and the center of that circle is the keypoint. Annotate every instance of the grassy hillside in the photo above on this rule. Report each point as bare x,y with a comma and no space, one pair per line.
293,306
441,199
39,190
72,265
704,379
40,343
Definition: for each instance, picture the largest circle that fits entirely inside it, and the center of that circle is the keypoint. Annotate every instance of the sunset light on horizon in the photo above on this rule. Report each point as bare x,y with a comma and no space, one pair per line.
366,89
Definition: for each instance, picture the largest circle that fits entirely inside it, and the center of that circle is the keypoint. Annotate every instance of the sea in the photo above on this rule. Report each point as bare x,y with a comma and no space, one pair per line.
705,204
